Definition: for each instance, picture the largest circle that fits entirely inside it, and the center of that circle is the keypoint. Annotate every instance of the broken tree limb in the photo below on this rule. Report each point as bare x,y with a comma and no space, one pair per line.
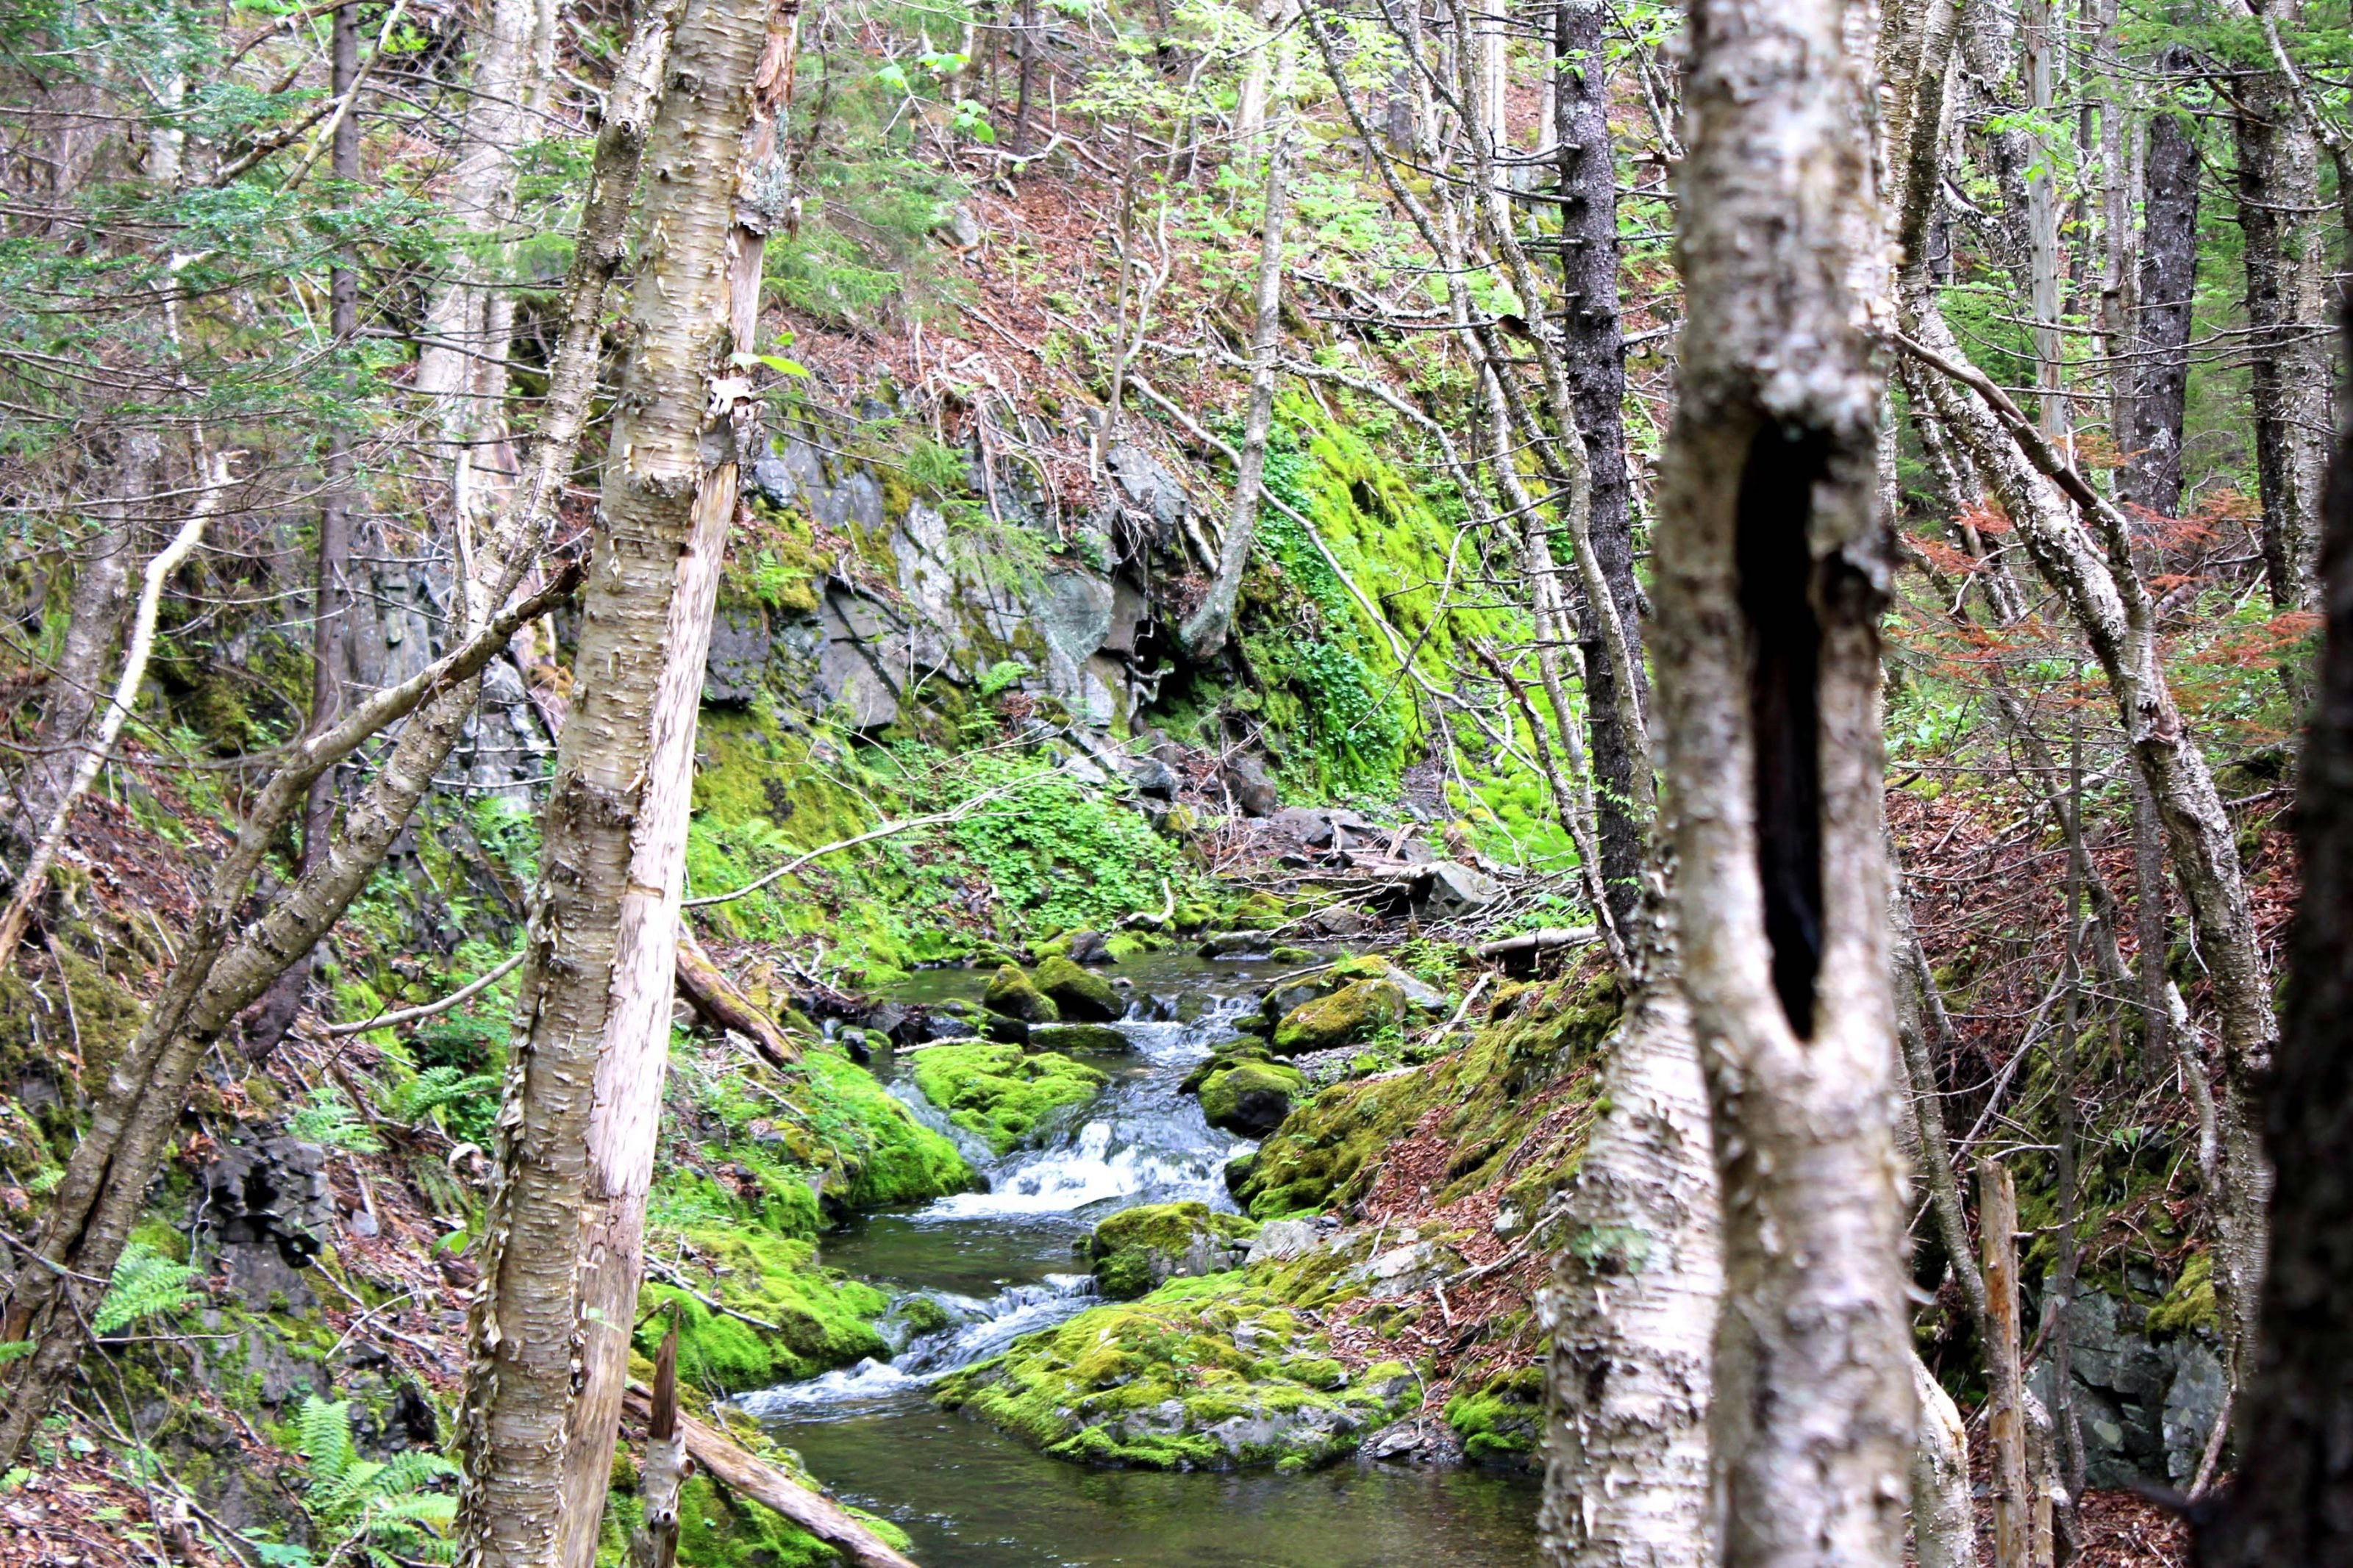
712,994
1543,940
737,1467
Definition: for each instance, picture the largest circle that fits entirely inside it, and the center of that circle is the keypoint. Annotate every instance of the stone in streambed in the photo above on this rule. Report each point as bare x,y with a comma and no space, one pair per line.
1250,1098
1094,1039
1138,1250
1078,994
1354,1012
1013,995
1001,1091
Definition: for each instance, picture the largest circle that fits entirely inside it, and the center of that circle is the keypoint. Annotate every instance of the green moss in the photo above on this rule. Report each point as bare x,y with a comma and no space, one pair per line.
1139,1249
2189,1304
1016,995
1502,1421
1350,1015
820,1319
1512,1106
1098,1038
1079,993
883,1156
1001,1091
1205,1373
1250,1097
717,1529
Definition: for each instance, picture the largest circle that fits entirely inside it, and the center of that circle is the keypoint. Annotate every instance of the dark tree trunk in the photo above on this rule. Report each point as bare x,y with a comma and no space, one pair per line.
331,595
1595,348
2295,1506
2168,277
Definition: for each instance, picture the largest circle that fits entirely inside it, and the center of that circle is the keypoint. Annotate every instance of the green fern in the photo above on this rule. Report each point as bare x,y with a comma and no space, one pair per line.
328,1121
464,1096
385,1512
146,1284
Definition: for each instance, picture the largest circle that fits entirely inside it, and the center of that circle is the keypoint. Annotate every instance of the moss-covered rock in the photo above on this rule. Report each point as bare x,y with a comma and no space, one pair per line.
1080,994
1250,1097
1096,1039
883,1155
1351,1015
1016,995
804,1319
1139,1250
1001,1091
1203,1374
1503,1422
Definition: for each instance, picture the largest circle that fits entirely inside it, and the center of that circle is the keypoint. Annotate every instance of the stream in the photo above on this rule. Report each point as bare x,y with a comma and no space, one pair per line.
1002,1264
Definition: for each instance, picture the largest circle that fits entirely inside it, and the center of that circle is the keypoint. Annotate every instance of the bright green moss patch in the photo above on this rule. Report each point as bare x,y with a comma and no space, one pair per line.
1016,995
1001,1091
1205,1373
1137,1250
1503,1420
1250,1097
1081,994
884,1156
2189,1304
1352,1013
820,1319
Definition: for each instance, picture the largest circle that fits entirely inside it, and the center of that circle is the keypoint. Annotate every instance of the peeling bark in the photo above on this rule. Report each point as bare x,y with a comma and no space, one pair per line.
1774,565
563,1235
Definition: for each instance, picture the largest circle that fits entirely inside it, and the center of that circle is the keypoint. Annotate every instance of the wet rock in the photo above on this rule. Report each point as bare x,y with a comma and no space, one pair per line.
270,1209
1013,995
1281,1240
1078,992
1094,1039
1153,777
1337,921
1416,1440
1233,944
1347,1016
1250,1098
1138,1250
1090,947
1448,889
737,668
1253,787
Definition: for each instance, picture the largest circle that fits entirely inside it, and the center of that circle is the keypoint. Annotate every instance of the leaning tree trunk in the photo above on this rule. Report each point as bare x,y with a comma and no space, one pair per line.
2279,212
1204,632
2159,371
1773,568
95,1205
2295,1506
1633,1303
563,1238
1593,345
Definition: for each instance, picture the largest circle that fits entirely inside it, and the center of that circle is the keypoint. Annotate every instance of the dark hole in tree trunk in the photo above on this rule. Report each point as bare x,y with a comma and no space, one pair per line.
1785,640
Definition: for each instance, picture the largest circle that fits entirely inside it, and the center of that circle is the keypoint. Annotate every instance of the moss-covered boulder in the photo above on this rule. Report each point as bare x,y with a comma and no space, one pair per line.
1139,1250
1203,1374
1093,1039
1015,995
1080,994
1001,1091
1353,1013
877,1155
1250,1098
1502,1422
780,1317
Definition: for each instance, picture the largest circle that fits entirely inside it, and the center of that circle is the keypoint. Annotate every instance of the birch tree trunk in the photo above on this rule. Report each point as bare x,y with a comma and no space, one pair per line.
2297,1505
1944,1522
2168,281
1204,632
1774,565
562,1237
91,1212
2279,212
1632,1307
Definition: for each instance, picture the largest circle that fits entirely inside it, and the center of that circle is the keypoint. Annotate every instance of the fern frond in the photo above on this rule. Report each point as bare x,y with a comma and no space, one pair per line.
146,1284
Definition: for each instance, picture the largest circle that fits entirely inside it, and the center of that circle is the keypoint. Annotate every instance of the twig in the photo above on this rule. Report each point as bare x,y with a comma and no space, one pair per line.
455,999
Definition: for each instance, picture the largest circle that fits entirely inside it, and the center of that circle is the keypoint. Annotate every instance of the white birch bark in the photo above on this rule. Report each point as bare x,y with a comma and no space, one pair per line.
1774,563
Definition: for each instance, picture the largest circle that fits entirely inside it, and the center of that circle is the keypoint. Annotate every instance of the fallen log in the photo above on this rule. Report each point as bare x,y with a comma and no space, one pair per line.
739,1470
714,998
1542,940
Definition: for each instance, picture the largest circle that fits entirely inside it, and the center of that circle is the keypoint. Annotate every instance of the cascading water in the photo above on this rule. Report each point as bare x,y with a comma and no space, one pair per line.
981,1269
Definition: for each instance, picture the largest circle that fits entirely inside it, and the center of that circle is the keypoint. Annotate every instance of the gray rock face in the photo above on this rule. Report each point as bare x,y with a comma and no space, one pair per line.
1253,786
270,1211
738,667
2145,1407
1447,889
1283,1239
